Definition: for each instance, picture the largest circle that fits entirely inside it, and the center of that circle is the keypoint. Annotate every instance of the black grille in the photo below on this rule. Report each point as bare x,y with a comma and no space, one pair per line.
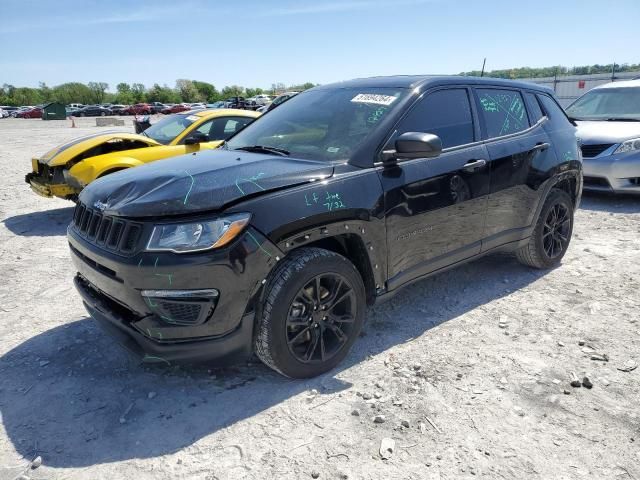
112,233
589,151
182,313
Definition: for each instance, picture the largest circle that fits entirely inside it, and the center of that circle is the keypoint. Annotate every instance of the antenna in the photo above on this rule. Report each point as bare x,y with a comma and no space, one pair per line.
483,63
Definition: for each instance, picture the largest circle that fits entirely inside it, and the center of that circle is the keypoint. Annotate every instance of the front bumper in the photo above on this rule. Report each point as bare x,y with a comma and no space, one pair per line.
49,181
111,286
613,173
224,350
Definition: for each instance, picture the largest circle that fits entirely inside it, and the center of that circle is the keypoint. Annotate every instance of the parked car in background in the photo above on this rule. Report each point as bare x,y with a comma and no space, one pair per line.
177,108
608,119
197,106
31,112
71,111
219,104
137,109
262,99
157,107
118,109
235,102
64,171
20,110
76,105
280,99
9,109
277,242
92,111
3,113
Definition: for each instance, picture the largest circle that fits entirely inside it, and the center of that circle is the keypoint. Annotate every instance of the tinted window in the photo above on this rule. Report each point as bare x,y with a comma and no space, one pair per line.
503,111
445,113
557,117
535,113
224,127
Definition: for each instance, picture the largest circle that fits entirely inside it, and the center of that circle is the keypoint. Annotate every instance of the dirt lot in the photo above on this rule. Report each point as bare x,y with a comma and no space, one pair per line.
470,369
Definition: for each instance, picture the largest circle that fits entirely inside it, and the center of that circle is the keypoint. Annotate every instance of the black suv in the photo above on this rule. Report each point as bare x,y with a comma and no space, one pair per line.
277,242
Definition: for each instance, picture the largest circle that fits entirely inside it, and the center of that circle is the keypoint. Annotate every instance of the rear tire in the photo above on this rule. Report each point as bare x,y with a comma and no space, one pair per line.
312,312
551,236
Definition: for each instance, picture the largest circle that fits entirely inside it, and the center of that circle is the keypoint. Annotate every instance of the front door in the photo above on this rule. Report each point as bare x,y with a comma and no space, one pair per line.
435,208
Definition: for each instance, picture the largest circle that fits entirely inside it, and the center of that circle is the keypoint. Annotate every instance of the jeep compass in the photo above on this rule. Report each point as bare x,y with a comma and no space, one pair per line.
276,243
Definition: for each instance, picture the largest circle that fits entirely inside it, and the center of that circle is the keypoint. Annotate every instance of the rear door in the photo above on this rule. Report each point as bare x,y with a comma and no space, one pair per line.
516,142
435,207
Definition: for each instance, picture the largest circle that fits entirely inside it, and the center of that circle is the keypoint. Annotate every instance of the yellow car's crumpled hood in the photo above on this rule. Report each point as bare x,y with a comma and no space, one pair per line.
62,154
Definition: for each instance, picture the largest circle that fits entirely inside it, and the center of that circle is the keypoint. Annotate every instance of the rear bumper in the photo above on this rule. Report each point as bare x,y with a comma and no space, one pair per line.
613,173
228,349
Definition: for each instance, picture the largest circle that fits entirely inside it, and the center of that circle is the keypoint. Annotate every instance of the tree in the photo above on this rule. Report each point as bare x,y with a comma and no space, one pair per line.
72,92
188,92
138,92
233,91
207,91
97,91
162,94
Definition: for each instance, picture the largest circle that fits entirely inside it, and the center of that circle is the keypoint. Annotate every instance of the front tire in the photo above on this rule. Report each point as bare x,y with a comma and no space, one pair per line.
312,312
551,236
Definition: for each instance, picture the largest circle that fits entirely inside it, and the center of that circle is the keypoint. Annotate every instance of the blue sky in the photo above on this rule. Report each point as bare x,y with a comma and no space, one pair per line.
255,43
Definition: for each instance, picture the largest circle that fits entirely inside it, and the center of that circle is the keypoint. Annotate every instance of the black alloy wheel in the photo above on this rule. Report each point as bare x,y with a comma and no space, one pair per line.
551,235
557,225
320,319
311,313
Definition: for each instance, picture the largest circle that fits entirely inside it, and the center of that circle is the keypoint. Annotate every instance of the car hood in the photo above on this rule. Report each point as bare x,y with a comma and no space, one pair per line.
62,154
597,132
204,181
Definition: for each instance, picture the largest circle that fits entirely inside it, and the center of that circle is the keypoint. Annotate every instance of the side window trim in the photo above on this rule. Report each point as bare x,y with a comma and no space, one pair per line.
477,138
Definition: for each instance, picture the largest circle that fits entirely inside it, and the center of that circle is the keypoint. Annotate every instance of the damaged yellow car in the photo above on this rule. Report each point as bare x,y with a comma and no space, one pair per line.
64,171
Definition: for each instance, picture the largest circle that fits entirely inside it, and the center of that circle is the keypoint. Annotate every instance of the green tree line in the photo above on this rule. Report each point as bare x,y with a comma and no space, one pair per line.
528,72
189,91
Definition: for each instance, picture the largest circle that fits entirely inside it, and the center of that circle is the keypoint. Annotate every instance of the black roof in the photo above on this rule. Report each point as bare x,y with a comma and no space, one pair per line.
426,81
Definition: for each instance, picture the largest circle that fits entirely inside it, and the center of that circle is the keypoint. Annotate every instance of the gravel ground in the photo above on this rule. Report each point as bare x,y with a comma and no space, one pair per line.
468,372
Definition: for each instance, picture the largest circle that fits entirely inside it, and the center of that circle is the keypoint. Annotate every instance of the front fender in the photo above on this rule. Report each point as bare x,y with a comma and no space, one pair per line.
88,170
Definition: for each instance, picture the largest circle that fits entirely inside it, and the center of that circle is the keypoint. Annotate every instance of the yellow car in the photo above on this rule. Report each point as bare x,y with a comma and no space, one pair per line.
64,171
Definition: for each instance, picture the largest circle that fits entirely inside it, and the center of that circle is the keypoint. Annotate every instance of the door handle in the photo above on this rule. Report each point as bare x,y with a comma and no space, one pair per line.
472,165
541,146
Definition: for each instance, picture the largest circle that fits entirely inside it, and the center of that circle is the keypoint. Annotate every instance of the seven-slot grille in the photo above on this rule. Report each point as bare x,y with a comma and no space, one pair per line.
109,232
590,151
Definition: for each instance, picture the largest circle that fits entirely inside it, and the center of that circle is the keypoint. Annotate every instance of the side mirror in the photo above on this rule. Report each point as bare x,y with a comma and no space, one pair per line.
196,138
418,145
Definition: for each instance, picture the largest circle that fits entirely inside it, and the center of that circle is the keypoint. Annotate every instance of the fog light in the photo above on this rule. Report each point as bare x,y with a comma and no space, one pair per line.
182,307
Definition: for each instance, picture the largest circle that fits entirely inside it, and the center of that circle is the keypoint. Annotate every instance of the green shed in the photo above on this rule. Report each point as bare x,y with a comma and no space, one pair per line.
54,111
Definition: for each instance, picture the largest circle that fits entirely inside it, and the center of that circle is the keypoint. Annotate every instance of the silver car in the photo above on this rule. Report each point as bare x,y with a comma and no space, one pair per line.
608,119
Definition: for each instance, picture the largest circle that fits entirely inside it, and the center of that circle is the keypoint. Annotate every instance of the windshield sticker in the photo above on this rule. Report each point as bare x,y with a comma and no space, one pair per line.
192,118
374,98
333,149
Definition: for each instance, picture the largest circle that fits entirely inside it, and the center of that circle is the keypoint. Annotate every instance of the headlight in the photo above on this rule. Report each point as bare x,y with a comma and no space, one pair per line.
197,236
628,146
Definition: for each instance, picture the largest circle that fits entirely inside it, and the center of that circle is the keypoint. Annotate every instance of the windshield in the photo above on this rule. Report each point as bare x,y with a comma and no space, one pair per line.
167,129
605,103
321,124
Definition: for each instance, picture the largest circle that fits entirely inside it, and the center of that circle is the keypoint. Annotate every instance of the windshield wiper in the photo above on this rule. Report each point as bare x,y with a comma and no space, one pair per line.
622,119
264,149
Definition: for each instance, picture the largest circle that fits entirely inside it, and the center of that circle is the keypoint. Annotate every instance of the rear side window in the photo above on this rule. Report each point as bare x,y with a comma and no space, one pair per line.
557,117
503,111
535,113
445,113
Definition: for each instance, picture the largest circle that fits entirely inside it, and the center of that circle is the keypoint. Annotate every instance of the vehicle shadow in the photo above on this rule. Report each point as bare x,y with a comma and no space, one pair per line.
46,223
75,398
607,202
